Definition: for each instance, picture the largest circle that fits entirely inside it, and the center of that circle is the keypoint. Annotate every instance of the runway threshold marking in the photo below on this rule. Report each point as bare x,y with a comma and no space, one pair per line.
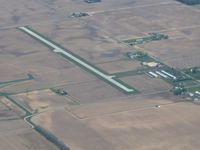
111,79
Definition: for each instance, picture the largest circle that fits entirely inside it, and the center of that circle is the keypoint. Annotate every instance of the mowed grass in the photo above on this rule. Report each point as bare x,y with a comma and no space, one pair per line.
195,74
194,89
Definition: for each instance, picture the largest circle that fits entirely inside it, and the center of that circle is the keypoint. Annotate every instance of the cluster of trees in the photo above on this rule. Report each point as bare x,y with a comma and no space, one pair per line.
137,54
190,2
92,1
193,70
50,137
179,89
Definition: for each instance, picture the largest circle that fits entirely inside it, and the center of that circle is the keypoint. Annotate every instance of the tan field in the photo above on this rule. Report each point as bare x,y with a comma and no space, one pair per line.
119,66
177,51
110,102
146,84
91,92
84,40
15,133
39,101
140,127
7,110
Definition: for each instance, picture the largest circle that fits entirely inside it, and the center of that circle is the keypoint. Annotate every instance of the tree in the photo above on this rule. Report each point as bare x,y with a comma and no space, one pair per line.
179,89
